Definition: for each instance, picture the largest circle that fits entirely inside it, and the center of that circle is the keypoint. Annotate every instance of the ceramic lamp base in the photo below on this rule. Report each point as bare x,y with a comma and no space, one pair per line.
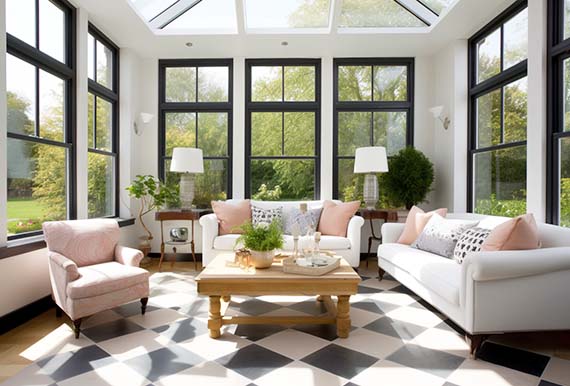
370,191
186,191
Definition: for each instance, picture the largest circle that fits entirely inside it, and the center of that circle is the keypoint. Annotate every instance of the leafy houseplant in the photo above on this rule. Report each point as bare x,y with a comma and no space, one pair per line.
153,194
409,178
262,240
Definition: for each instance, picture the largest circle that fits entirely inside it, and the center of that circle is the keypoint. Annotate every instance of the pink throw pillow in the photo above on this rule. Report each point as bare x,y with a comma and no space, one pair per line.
416,222
335,217
231,215
520,233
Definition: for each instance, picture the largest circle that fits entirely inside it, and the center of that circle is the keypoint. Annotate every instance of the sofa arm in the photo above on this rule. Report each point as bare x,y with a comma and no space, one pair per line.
498,265
210,229
391,232
128,256
353,232
62,271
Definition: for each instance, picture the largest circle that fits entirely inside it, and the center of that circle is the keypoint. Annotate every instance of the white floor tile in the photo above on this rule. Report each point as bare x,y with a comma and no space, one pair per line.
132,345
477,373
299,373
176,299
442,340
371,343
116,374
293,344
388,373
211,349
60,340
207,373
380,284
157,318
360,317
557,371
395,298
417,316
285,300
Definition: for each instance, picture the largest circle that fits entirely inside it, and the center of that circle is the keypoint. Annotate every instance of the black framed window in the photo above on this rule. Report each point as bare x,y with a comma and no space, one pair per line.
195,98
103,125
498,115
558,142
283,129
40,67
373,106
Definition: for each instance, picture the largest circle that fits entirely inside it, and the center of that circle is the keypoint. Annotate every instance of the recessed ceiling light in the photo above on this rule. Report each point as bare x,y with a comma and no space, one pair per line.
284,43
189,44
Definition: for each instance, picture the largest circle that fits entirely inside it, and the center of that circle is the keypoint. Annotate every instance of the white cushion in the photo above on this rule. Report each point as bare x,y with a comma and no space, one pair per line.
333,243
439,274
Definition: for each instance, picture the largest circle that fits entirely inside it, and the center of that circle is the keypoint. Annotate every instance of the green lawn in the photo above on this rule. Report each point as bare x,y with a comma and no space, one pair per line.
24,209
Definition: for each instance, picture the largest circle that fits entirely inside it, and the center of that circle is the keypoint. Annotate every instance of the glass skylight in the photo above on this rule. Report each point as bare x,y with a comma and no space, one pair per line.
376,14
207,15
437,6
267,14
149,9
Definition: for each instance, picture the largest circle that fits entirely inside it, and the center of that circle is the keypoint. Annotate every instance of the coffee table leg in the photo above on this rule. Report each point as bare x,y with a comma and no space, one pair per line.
227,298
215,321
343,316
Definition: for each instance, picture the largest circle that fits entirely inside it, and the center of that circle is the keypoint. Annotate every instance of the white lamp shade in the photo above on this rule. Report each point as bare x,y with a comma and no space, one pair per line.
371,160
187,160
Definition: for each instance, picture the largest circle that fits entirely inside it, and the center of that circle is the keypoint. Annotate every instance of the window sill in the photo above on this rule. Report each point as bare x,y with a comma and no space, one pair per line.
34,243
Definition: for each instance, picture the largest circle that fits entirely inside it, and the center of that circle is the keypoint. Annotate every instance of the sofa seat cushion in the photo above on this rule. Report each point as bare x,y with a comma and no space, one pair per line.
437,273
332,243
104,278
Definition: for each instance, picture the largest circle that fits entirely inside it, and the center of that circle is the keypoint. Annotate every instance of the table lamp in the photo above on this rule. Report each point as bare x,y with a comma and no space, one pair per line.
188,161
370,160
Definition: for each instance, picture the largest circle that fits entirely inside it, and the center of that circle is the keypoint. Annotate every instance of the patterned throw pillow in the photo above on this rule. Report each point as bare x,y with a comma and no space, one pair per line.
294,216
440,235
265,216
470,241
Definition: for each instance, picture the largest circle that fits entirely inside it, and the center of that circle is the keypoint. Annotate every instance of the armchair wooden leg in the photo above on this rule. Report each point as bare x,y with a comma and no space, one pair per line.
77,327
475,342
58,312
381,273
144,301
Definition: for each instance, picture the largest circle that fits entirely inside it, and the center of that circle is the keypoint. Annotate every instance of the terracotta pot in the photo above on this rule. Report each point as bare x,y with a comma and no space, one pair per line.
262,259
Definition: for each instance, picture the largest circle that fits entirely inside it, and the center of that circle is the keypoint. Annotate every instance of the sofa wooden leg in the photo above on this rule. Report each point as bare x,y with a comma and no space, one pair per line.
144,301
381,273
475,342
77,327
58,312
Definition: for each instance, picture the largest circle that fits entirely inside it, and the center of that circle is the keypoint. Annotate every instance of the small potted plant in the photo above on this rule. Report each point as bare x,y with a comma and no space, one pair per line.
152,194
262,241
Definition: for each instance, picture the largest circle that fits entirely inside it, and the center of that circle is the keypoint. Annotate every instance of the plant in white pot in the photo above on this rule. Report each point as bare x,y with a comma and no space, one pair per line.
262,241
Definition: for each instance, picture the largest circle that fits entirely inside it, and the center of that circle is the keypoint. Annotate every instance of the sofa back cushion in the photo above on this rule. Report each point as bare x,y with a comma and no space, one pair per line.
440,235
86,242
336,216
231,215
415,223
518,233
292,216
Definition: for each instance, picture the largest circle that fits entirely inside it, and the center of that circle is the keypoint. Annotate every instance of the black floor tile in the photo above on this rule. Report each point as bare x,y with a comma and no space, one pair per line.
163,362
183,330
546,383
395,328
324,331
449,325
340,360
376,306
312,307
253,361
435,362
525,361
256,307
111,330
70,364
255,332
367,290
132,309
404,290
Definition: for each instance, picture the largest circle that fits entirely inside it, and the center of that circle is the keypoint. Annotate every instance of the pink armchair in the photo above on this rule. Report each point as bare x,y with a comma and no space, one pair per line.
89,271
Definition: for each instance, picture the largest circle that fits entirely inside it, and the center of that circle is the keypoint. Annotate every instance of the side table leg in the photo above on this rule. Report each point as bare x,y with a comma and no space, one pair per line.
192,246
215,321
343,316
173,259
161,257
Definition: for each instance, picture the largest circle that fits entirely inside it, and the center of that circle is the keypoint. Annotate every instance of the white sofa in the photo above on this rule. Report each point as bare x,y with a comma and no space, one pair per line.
491,292
348,247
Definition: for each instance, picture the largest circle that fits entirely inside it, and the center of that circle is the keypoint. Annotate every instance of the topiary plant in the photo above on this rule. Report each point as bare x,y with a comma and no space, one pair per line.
409,178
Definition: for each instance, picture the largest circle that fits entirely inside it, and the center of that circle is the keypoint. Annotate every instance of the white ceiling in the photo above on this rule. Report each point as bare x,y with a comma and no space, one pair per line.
121,23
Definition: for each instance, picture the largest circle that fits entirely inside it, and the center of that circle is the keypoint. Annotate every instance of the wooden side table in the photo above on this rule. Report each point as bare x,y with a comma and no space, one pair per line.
388,215
177,215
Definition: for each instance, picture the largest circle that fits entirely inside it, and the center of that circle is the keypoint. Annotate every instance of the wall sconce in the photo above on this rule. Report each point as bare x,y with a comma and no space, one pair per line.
437,112
145,118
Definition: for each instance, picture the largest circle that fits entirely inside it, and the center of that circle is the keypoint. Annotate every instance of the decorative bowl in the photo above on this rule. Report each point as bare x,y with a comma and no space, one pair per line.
179,234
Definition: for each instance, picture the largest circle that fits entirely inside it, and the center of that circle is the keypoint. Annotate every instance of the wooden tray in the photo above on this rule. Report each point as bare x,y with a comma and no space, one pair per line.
290,266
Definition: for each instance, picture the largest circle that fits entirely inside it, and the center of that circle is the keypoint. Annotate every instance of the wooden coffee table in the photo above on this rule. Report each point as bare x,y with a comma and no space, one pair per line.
219,281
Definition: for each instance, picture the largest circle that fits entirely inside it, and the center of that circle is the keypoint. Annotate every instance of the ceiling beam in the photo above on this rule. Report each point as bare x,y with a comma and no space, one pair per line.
171,13
336,6
240,15
419,10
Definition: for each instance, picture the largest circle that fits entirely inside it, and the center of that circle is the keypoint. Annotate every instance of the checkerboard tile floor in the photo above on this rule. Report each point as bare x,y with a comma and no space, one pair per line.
396,339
